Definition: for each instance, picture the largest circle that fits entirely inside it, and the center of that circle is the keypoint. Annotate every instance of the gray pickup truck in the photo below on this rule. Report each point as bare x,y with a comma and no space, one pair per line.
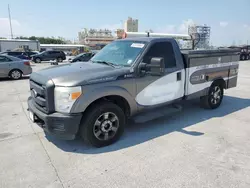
126,79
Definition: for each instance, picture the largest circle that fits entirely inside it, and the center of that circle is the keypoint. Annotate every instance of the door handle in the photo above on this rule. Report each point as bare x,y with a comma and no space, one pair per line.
178,76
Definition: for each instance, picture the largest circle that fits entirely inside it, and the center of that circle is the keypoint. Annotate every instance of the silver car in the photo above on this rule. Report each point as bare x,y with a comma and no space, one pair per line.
14,67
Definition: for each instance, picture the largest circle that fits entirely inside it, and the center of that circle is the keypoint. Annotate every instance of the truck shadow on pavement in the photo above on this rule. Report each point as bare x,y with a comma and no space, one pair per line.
139,133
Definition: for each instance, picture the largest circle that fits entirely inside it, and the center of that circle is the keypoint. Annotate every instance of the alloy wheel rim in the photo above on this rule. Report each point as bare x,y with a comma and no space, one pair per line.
15,74
216,95
106,126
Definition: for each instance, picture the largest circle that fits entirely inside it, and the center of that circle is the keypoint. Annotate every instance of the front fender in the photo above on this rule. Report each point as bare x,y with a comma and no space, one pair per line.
90,96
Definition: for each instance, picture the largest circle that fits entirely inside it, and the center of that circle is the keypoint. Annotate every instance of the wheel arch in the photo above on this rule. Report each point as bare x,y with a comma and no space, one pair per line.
15,69
117,95
220,81
116,99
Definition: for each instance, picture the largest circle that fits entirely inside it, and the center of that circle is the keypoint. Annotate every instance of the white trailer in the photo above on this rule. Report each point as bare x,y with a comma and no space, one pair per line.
11,44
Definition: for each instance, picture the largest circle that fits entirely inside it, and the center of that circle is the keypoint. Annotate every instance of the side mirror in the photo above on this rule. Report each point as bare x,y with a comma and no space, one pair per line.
155,68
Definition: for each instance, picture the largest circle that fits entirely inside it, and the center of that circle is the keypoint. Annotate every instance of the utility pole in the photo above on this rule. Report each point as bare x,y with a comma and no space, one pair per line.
10,22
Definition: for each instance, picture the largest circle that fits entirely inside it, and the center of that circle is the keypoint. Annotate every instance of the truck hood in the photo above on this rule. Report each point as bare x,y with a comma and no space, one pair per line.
78,74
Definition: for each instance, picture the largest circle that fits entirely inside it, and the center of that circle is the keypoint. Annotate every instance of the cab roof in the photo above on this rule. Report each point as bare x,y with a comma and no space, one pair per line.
146,39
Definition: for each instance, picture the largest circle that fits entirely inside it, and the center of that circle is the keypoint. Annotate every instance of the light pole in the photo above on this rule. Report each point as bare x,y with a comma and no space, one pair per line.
10,22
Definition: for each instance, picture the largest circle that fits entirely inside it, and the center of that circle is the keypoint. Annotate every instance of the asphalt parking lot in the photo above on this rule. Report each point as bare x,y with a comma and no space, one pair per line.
194,148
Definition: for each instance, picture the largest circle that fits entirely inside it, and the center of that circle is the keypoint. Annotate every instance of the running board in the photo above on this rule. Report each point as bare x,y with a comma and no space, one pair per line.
161,112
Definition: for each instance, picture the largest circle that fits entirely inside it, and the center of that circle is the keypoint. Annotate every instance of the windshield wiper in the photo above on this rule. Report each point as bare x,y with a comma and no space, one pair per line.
106,63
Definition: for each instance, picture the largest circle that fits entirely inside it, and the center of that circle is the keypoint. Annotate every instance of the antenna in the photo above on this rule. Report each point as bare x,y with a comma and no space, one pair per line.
10,22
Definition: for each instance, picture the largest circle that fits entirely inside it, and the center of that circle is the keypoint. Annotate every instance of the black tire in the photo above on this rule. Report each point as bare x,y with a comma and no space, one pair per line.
243,57
93,127
38,60
59,59
15,74
213,100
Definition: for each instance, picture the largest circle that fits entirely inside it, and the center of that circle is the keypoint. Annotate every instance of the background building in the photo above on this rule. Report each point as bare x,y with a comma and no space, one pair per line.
119,33
202,32
11,44
100,37
95,37
131,25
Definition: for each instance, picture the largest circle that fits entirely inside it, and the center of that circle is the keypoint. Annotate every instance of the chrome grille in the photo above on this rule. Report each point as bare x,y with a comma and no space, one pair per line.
43,96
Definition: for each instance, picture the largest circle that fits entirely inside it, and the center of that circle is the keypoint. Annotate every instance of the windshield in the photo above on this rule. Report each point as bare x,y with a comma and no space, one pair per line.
44,52
79,55
122,53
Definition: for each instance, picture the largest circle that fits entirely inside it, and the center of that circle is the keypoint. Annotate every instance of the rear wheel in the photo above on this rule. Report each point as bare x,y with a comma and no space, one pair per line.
103,124
214,97
38,60
16,74
243,58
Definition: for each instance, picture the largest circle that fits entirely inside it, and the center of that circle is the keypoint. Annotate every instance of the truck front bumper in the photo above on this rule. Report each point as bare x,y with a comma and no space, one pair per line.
63,126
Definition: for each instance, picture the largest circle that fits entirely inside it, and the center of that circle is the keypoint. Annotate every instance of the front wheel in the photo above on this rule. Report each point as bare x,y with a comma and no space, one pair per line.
59,59
214,97
103,124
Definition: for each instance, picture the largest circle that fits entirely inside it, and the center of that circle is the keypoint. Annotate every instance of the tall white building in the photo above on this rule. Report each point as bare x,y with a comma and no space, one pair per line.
131,25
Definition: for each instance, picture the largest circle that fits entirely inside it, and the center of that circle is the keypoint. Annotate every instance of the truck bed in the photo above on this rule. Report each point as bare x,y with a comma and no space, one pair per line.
205,66
209,56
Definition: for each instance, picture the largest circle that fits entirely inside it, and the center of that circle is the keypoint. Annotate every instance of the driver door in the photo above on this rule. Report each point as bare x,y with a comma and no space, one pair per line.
157,90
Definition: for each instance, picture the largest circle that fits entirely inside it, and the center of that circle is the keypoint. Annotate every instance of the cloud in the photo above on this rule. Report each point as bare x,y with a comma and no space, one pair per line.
183,28
246,27
5,27
218,34
223,24
235,33
179,28
167,29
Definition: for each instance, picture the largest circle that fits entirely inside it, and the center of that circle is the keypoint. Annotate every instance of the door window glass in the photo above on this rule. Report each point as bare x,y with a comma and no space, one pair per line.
164,50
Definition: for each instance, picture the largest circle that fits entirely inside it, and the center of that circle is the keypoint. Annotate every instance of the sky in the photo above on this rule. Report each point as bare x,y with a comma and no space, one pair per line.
229,19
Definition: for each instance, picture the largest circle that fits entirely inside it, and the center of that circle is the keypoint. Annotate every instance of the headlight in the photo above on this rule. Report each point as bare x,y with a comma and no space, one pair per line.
65,98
